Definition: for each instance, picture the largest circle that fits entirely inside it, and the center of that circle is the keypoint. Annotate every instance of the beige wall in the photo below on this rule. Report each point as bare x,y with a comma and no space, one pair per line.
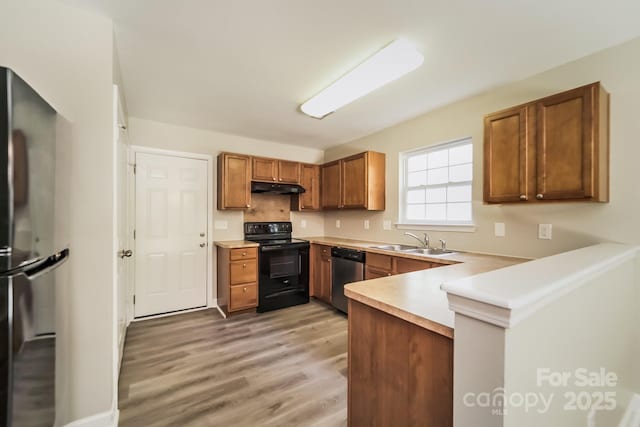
178,138
66,55
597,330
574,224
165,136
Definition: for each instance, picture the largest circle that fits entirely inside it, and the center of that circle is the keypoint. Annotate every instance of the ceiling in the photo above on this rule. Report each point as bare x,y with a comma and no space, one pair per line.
245,66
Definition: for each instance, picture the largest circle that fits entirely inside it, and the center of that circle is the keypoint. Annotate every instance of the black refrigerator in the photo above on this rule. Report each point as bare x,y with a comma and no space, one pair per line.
32,245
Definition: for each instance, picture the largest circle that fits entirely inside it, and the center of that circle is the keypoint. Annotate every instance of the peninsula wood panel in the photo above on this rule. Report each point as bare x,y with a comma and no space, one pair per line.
234,181
399,374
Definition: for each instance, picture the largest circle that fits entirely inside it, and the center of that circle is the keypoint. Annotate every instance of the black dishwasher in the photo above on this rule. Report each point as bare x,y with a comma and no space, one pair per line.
347,266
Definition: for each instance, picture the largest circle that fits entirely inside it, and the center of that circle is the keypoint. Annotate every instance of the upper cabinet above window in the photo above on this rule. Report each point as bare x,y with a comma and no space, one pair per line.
555,148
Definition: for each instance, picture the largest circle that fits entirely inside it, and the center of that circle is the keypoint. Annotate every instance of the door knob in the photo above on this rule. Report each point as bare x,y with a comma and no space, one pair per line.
126,253
202,245
202,234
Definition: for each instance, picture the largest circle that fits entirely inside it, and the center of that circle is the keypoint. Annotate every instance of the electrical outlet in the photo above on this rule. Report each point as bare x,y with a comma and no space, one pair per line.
499,229
386,224
366,224
221,225
338,223
303,223
544,231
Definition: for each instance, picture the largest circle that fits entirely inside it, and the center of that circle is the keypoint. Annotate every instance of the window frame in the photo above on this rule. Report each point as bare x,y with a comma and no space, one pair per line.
403,221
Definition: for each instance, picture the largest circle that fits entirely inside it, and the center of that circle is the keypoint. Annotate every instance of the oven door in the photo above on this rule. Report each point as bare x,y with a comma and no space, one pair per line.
284,277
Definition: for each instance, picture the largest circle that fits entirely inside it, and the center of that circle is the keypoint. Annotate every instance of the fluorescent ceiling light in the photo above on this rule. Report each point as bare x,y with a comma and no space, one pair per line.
395,60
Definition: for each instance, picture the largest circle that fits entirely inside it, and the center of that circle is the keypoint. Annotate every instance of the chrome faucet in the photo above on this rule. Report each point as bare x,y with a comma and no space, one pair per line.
424,242
444,244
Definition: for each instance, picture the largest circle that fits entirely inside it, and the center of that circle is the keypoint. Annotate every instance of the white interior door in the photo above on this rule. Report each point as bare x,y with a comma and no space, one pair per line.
124,242
123,228
171,234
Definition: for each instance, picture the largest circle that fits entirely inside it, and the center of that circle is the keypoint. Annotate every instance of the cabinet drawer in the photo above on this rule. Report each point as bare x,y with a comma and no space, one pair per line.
379,261
374,273
243,296
242,272
406,265
243,253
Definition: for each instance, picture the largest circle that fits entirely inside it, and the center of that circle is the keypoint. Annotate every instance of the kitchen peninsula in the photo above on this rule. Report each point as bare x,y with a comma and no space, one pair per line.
401,337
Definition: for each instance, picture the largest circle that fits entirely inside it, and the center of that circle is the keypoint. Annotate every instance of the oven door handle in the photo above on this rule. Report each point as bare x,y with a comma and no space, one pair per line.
299,263
281,247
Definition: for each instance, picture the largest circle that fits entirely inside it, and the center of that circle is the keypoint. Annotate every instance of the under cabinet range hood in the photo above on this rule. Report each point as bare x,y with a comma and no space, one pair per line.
267,187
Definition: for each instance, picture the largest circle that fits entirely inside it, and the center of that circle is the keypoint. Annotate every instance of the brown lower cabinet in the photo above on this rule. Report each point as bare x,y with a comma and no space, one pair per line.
237,279
320,286
378,265
399,374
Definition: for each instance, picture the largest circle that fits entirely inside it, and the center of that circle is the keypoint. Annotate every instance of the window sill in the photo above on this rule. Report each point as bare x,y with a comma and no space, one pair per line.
463,228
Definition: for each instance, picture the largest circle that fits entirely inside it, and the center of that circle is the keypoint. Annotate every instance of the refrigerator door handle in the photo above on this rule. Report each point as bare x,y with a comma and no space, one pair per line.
37,269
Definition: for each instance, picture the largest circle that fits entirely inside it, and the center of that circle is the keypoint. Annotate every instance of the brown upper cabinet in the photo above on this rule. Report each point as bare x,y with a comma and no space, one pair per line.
274,170
331,185
234,181
555,148
310,181
355,182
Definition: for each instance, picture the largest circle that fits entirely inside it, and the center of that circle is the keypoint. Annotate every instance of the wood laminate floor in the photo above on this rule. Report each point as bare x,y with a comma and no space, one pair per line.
283,368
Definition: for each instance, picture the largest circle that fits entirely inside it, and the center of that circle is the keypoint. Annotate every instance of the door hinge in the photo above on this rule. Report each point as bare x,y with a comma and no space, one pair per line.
135,167
134,300
134,234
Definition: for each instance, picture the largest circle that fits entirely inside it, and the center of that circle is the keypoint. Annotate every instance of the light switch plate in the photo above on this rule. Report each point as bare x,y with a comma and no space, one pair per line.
303,223
544,231
386,224
366,224
499,229
221,225
338,223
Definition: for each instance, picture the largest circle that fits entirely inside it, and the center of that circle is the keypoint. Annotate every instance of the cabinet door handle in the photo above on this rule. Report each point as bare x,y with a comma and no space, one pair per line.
244,289
244,265
244,254
523,197
248,205
539,196
280,179
202,245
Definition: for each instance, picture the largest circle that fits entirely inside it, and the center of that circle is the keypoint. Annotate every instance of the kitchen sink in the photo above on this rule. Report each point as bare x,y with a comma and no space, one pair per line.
430,251
401,248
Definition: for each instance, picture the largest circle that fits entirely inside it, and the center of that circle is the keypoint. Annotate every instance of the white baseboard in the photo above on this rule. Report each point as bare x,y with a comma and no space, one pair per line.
221,312
103,419
632,415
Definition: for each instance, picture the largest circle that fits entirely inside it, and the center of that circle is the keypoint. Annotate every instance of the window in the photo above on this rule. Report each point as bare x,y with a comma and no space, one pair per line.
436,184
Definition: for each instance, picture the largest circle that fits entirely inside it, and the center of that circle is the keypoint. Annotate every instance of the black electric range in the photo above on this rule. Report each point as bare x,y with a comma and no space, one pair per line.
283,274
